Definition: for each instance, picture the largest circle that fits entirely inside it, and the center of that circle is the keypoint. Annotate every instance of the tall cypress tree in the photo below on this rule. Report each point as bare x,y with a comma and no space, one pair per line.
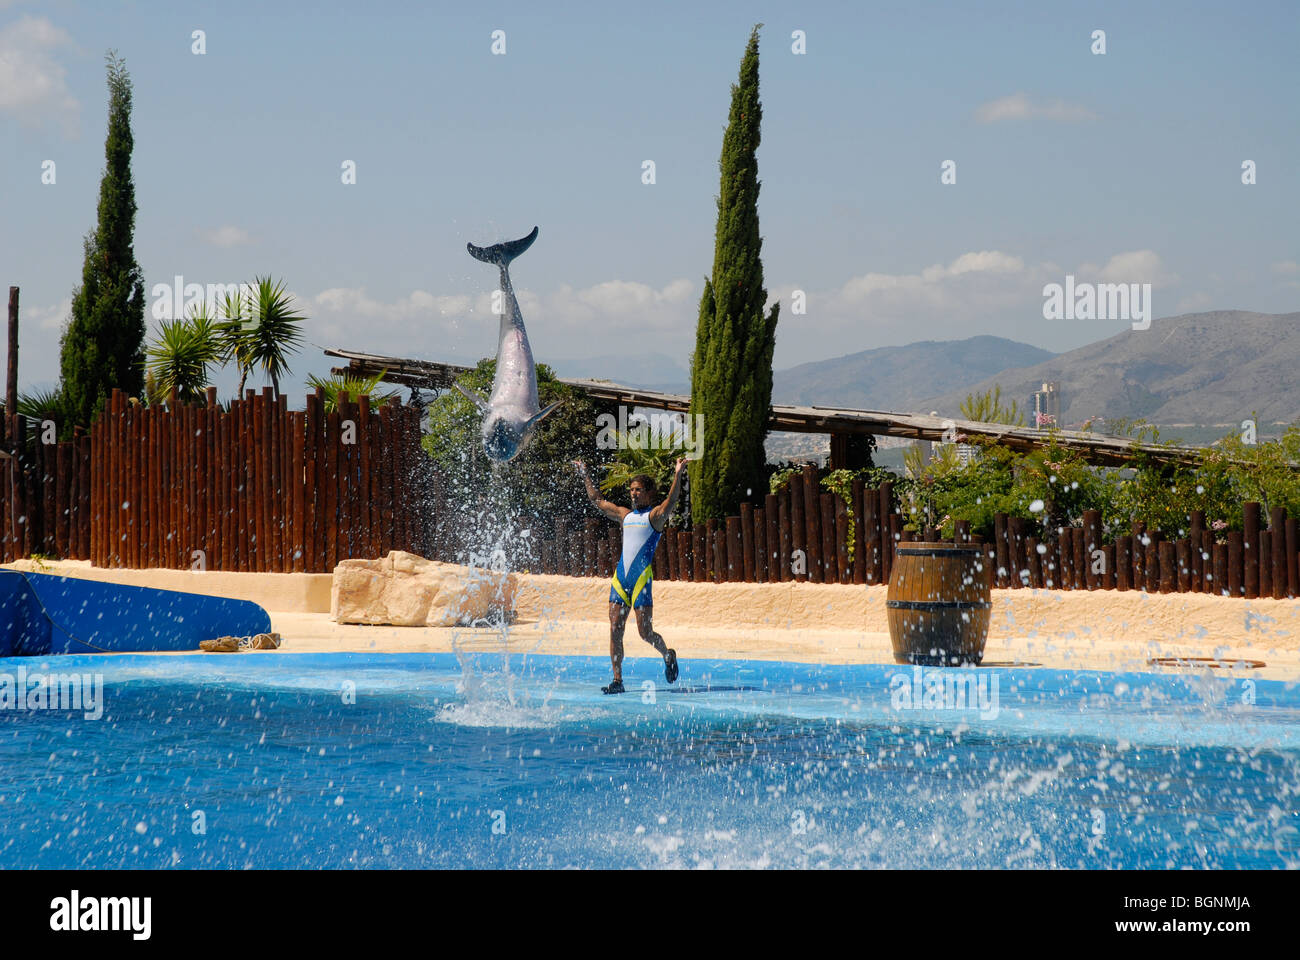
731,370
103,344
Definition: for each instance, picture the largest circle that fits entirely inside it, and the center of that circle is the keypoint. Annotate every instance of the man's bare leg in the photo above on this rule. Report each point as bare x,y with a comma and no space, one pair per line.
617,623
648,634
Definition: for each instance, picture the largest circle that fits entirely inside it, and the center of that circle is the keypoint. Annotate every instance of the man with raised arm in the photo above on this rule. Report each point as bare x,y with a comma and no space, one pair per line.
630,590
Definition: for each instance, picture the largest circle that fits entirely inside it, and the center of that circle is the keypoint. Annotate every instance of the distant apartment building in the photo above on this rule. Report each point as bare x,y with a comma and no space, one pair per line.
1046,404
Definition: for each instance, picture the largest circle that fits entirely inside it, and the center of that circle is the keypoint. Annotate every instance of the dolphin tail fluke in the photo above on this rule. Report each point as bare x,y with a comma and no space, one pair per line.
534,421
502,253
473,398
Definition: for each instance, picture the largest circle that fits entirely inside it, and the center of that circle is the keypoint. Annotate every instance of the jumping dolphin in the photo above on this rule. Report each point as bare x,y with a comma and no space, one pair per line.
511,415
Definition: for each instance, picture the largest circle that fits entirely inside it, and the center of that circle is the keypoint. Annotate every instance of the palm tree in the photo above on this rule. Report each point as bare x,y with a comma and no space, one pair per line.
184,350
261,329
354,387
638,456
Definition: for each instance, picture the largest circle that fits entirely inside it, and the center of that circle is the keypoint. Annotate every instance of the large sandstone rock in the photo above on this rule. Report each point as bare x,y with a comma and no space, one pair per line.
409,591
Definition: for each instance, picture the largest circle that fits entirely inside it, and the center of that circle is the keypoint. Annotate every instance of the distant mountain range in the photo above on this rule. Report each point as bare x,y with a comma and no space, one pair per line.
1198,368
901,378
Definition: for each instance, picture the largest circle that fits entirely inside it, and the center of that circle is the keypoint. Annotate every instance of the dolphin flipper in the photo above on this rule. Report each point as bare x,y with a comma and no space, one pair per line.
535,420
473,398
502,253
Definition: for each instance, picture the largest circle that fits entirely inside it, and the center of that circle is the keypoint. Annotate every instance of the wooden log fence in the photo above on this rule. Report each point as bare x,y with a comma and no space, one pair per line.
259,488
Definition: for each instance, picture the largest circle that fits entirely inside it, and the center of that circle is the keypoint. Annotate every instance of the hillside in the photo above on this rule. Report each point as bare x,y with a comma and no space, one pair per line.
1198,368
901,378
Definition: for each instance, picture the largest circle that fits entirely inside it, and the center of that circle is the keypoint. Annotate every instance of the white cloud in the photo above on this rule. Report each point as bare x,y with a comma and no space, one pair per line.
33,84
1288,268
1018,106
1133,266
566,322
984,261
46,318
227,236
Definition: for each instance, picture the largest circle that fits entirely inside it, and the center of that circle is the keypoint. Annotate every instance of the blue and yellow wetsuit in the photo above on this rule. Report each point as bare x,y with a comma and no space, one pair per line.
632,574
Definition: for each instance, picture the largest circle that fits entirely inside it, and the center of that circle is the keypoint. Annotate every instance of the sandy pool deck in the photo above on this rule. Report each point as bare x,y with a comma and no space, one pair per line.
797,622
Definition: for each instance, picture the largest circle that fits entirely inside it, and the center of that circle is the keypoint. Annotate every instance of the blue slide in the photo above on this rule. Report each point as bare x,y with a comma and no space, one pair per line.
42,615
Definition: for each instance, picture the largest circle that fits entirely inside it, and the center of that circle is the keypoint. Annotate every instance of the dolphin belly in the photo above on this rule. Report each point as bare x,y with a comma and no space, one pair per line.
511,414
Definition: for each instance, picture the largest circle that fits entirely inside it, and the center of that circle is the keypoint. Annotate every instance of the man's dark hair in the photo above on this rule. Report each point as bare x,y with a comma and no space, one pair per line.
647,483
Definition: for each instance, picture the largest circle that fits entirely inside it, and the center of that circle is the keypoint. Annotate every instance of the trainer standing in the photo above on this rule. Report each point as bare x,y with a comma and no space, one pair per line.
630,589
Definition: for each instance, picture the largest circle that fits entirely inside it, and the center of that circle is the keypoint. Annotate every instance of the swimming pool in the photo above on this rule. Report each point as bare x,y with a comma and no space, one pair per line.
430,760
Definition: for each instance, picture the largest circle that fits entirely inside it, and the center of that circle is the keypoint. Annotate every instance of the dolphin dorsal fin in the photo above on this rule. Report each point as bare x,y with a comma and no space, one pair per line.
473,398
533,421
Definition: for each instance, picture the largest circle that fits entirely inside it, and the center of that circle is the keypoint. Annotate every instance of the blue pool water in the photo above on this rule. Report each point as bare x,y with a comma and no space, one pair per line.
351,760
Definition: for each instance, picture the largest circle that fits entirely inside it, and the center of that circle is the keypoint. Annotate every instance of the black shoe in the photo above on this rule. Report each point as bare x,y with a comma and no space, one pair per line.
670,666
614,687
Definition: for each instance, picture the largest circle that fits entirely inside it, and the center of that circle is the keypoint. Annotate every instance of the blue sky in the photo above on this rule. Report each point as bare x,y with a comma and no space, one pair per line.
1124,167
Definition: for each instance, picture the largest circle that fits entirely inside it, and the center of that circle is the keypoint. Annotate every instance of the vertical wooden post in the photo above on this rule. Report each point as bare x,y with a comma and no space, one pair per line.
1196,528
615,537
784,540
1018,572
562,547
760,545
1155,567
1123,562
747,541
1277,555
1033,560
734,551
798,528
886,493
1292,560
1265,563
592,532
11,380
1001,550
1184,561
1221,570
829,546
841,541
1064,559
869,522
686,554
772,518
1236,563
812,515
364,466
602,556
699,553
298,487
860,561
1092,541
1250,548
719,532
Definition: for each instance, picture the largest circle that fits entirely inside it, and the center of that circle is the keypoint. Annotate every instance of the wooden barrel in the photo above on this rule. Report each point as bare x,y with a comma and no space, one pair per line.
938,604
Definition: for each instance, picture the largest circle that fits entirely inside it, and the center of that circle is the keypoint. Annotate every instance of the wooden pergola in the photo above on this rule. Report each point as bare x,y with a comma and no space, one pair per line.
839,422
